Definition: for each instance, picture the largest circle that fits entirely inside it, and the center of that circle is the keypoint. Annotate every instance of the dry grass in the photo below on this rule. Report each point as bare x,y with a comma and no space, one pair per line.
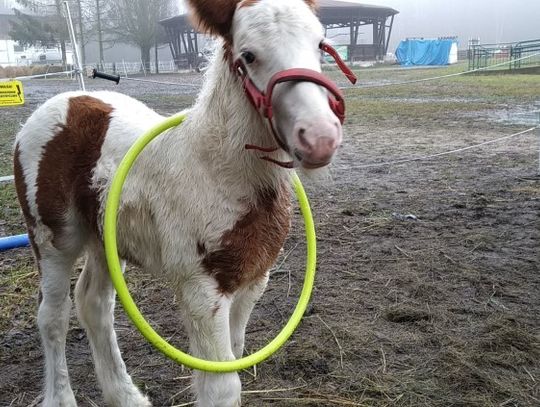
15,71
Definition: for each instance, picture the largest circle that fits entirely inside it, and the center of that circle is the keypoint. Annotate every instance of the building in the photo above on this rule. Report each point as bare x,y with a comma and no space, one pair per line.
342,22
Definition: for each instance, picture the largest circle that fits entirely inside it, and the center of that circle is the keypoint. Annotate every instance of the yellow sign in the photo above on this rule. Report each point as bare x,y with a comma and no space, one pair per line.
11,93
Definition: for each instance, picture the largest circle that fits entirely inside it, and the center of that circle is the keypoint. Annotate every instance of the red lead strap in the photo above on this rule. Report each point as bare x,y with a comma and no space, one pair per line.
342,65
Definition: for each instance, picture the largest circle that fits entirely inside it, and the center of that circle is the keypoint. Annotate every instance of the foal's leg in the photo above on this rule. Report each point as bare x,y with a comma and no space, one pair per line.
95,298
243,303
206,314
53,320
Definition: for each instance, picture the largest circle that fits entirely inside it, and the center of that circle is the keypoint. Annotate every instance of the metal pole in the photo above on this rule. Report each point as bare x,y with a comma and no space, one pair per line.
538,132
76,59
125,70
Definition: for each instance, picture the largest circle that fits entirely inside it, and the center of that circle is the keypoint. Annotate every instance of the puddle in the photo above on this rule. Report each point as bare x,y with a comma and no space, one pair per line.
523,115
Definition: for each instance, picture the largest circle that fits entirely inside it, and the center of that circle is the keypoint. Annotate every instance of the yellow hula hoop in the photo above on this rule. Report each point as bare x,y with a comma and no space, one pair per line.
113,261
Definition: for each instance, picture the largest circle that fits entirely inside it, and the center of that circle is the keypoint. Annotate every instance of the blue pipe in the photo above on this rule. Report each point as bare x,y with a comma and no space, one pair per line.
12,242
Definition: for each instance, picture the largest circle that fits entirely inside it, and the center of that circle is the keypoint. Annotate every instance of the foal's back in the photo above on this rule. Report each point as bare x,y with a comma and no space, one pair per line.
56,153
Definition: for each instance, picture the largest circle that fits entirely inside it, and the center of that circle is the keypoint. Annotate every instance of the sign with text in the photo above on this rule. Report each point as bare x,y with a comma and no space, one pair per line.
11,93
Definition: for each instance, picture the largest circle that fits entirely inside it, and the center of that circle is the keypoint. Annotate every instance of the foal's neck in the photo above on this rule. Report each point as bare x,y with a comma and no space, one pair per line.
223,122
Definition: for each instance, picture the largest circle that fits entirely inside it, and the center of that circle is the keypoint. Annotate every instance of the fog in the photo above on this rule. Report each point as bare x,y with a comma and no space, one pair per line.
489,20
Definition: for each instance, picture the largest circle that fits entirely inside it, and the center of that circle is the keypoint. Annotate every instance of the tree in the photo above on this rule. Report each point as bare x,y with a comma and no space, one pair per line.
95,16
31,30
46,27
81,31
136,22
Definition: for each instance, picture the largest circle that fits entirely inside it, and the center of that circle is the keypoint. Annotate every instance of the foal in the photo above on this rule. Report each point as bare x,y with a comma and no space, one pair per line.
206,205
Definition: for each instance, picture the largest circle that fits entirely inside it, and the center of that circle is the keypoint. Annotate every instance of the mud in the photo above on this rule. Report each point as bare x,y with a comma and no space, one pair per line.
438,309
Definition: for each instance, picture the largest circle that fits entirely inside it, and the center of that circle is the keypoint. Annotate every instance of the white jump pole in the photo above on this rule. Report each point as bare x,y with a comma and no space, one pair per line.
76,59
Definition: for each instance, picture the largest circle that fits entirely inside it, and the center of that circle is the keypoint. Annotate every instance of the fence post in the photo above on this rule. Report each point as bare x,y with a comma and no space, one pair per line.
143,67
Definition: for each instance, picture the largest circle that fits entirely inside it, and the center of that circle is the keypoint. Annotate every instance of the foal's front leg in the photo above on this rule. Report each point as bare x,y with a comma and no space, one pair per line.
206,314
243,303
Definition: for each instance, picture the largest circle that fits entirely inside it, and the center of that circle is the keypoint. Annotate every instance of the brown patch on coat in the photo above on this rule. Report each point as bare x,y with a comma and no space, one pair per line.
20,187
251,247
215,309
247,3
65,170
201,248
228,53
313,4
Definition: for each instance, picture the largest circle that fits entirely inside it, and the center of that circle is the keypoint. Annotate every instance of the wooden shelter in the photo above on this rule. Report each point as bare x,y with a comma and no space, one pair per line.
338,17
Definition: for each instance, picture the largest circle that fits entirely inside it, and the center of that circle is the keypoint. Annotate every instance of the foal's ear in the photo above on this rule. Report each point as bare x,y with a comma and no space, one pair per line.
313,4
213,16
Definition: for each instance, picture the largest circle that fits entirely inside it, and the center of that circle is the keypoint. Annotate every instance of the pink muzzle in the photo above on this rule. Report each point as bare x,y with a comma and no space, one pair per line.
262,101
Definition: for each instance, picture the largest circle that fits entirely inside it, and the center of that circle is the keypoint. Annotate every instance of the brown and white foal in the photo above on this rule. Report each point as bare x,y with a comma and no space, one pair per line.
206,206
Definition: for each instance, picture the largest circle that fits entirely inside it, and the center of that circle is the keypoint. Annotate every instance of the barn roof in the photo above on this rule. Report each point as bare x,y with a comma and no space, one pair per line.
335,12
330,12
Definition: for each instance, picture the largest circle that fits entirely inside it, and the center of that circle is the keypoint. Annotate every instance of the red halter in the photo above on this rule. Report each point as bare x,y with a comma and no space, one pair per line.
262,101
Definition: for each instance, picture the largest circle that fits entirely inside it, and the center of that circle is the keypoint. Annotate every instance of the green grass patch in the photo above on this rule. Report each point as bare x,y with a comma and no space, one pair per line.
10,211
364,109
489,88
9,126
18,290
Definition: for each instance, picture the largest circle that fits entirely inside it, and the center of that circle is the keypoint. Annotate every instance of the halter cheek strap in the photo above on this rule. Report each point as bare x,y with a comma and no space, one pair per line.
262,101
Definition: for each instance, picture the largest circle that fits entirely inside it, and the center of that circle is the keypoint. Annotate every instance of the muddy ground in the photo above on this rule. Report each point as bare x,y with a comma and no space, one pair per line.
441,308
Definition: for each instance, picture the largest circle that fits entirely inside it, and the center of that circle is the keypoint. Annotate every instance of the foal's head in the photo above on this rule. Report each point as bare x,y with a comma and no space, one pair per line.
275,48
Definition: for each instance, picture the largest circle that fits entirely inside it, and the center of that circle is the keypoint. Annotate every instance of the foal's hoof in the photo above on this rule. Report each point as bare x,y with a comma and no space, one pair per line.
62,399
129,399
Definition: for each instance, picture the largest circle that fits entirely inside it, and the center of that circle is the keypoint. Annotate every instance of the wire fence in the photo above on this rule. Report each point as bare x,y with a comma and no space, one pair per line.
43,75
10,178
134,66
449,152
433,78
505,55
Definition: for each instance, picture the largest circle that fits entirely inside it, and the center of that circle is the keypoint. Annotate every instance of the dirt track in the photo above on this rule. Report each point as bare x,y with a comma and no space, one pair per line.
439,309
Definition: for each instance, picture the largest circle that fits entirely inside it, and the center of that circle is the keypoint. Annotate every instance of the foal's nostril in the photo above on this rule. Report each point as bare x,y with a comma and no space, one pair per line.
298,155
302,138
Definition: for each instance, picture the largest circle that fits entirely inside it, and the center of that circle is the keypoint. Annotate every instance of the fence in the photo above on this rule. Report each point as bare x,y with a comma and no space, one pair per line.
484,56
132,68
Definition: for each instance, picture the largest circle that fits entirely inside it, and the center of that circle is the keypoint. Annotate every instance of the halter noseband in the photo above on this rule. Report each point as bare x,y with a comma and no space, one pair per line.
262,101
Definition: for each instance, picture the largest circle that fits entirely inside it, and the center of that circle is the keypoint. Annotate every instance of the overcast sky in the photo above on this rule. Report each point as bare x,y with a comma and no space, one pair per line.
490,20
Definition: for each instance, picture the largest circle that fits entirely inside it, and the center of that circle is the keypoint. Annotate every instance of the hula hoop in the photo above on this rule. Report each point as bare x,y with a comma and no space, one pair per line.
113,261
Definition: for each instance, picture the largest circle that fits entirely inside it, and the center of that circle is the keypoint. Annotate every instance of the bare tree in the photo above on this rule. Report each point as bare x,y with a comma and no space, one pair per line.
136,22
80,21
95,18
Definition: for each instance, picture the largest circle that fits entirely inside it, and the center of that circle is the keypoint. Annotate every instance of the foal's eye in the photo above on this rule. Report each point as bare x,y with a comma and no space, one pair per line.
248,56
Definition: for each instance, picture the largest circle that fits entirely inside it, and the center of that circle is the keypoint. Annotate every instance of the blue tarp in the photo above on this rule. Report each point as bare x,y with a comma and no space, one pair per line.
424,52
